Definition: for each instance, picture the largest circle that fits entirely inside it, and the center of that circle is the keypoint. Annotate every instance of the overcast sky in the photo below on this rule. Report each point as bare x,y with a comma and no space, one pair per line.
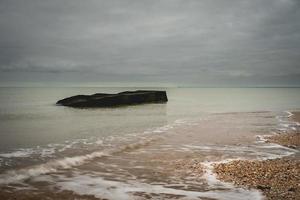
175,42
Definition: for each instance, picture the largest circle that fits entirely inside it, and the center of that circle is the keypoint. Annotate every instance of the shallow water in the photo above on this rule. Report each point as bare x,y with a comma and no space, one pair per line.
137,152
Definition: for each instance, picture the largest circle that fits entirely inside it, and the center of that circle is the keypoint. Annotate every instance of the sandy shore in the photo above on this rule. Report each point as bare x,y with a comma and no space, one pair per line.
296,116
277,179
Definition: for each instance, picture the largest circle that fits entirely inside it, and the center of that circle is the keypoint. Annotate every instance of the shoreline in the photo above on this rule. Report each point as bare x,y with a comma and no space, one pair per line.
275,178
202,169
296,116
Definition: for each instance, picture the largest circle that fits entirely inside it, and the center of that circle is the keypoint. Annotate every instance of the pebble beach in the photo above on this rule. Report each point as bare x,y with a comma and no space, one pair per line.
275,178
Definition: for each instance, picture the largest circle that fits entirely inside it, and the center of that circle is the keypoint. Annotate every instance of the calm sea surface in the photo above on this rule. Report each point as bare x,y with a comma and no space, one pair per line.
108,152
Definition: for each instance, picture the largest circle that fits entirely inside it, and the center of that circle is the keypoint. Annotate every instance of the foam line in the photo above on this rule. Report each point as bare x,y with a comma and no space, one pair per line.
289,114
49,167
18,154
113,190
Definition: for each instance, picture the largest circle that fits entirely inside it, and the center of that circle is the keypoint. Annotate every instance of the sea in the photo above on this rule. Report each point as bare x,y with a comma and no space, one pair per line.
137,152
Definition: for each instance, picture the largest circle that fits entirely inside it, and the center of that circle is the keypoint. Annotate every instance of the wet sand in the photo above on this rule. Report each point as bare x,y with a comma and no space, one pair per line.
277,179
296,116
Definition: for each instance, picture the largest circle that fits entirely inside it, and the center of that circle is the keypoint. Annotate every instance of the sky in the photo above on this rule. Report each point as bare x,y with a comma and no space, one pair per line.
157,42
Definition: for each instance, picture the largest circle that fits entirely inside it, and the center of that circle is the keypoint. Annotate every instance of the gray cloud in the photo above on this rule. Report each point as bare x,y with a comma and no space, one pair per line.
177,41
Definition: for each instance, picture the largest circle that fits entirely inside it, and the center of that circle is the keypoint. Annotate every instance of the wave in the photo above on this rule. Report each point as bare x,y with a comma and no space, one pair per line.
48,150
289,114
52,166
114,190
285,124
19,154
51,149
69,162
49,167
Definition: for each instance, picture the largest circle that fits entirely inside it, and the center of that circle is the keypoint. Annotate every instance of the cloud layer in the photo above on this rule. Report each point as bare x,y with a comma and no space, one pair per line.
207,42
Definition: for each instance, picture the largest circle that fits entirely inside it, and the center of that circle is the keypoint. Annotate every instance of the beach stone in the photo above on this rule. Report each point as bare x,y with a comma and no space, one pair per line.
262,187
111,100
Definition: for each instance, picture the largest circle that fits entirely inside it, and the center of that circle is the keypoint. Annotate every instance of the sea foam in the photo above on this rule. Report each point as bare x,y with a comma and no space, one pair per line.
13,176
114,190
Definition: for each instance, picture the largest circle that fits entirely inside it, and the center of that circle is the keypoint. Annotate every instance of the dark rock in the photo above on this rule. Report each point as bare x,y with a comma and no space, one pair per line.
292,146
111,100
263,187
292,189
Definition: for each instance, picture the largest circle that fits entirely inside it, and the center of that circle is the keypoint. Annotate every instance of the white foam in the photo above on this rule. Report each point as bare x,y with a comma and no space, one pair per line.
113,190
211,177
163,129
260,150
18,154
49,150
49,167
180,121
65,147
285,124
29,152
65,163
99,142
262,138
289,114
